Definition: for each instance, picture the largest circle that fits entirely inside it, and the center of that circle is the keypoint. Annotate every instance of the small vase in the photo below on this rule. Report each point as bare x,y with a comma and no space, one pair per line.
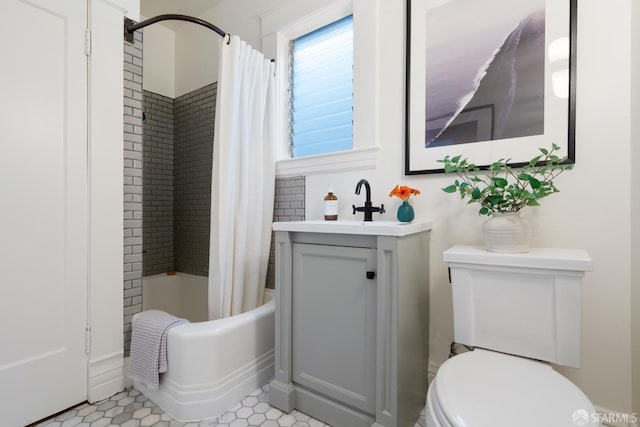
405,212
507,232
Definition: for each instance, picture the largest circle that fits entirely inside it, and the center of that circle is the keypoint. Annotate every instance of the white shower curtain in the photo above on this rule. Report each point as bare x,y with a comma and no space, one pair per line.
243,179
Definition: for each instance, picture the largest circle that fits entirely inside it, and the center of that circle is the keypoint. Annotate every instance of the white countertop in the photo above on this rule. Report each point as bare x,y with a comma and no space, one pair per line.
373,228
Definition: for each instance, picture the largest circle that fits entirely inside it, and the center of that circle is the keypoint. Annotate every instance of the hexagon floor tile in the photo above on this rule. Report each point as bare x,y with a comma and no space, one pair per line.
131,409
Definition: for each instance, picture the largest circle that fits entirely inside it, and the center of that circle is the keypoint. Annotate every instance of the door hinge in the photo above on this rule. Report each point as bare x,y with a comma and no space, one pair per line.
87,339
87,42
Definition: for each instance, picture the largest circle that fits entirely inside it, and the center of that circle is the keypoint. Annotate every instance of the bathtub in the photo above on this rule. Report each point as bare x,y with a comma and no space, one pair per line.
213,364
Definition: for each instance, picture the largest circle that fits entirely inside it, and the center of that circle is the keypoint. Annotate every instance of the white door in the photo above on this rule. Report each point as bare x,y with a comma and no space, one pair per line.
43,208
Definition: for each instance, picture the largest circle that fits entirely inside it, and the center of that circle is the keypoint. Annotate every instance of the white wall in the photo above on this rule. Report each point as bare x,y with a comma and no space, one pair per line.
183,295
579,219
158,60
196,58
573,218
132,9
593,210
197,47
106,179
178,62
635,206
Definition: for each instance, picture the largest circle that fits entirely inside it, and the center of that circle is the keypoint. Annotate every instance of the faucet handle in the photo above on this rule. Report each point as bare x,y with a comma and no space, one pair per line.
382,208
354,209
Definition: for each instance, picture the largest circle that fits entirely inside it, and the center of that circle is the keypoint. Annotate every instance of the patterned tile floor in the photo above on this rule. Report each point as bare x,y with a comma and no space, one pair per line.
132,409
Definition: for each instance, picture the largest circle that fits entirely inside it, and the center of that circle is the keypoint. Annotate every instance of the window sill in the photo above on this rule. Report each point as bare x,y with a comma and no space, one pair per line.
344,161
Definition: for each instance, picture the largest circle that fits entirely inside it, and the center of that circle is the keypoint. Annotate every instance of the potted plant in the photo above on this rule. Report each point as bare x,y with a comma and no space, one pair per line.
503,191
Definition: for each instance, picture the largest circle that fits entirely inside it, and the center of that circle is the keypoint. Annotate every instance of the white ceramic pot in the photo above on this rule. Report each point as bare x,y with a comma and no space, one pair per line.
507,232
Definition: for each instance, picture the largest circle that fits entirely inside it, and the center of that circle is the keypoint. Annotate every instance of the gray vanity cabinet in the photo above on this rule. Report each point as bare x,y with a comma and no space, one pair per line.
352,322
334,322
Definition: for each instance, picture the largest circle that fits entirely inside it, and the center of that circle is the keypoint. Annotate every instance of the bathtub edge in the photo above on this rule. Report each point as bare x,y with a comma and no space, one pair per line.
205,401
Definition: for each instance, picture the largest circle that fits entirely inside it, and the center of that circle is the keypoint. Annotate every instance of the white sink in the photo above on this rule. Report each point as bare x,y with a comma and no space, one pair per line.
375,228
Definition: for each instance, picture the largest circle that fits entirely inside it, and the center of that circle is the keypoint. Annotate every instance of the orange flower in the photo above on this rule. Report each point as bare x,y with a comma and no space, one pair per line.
403,192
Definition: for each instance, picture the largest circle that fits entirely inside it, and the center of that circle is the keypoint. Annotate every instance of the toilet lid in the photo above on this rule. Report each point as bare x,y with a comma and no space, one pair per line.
484,388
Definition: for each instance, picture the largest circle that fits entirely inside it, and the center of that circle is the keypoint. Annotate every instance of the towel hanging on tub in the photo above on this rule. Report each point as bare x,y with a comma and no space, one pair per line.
149,332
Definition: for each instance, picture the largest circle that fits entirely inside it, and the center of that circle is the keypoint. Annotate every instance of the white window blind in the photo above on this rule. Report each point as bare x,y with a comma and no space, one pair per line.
322,90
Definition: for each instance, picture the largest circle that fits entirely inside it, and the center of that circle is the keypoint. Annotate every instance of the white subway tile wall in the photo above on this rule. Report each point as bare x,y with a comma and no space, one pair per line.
288,206
132,183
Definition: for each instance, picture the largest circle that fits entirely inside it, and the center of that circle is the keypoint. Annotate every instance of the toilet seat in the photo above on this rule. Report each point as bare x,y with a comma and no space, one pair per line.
484,388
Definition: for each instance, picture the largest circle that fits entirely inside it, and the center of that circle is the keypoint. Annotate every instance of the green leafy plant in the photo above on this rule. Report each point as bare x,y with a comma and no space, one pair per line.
504,188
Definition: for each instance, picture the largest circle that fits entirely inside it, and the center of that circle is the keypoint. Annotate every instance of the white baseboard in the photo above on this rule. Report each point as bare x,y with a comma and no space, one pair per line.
106,376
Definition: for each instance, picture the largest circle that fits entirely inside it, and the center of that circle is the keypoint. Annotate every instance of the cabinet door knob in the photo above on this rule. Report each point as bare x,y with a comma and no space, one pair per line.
371,275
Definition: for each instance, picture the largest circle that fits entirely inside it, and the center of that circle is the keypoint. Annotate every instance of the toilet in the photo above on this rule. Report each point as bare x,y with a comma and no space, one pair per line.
519,312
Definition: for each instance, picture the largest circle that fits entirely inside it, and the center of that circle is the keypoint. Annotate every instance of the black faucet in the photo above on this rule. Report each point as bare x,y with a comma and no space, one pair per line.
367,208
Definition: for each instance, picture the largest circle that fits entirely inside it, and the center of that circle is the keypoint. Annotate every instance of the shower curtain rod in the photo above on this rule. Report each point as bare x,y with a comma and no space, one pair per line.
130,26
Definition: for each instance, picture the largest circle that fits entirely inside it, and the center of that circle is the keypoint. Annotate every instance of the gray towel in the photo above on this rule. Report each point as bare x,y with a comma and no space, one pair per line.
149,346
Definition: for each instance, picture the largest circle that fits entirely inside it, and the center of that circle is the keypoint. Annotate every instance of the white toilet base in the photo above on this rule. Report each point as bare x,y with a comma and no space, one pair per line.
433,413
430,421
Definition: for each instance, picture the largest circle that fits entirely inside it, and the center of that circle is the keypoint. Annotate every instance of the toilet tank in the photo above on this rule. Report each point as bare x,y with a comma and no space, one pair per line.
523,304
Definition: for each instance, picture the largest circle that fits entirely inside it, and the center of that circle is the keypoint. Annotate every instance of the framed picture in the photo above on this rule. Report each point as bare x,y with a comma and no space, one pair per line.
490,80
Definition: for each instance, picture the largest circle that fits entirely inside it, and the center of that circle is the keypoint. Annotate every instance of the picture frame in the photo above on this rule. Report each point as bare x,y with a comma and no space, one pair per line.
489,80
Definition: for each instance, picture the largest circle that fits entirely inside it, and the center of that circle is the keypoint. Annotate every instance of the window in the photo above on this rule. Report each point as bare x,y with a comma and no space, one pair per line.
321,119
281,27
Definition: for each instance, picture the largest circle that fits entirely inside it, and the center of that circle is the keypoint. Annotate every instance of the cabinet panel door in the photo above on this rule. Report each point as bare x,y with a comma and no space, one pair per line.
334,322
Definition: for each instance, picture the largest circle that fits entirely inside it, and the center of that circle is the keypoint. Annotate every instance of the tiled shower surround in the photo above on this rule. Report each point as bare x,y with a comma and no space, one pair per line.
177,184
288,206
176,195
178,154
132,183
157,200
194,115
